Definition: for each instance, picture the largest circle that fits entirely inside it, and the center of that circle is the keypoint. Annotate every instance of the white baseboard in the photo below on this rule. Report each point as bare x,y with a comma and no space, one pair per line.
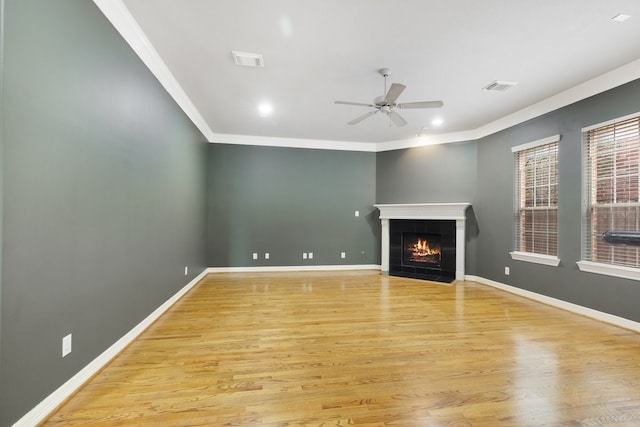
44,409
266,269
564,305
41,411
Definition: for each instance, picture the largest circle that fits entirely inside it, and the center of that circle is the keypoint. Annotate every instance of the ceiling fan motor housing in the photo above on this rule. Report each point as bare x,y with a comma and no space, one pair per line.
384,72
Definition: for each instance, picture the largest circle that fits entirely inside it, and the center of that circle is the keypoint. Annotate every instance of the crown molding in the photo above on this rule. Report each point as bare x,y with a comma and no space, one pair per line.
625,74
614,78
120,17
424,140
118,14
317,144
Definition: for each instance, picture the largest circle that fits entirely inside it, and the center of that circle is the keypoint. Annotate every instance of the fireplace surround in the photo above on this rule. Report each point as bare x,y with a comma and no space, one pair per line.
447,220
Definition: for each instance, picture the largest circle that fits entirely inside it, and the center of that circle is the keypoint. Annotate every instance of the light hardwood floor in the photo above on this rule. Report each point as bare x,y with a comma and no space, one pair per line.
358,348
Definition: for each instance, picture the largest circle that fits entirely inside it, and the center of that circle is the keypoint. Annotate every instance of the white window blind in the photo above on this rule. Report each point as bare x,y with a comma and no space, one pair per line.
536,197
612,181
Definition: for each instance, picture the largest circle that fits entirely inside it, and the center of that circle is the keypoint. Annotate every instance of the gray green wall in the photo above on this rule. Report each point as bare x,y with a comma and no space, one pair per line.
482,173
432,174
2,27
494,207
286,201
104,195
108,191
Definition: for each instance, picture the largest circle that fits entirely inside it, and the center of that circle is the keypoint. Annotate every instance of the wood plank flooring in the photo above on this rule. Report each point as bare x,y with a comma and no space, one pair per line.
358,348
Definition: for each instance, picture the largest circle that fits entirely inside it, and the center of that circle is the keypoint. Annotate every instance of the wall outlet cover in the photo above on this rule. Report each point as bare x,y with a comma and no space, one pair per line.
66,345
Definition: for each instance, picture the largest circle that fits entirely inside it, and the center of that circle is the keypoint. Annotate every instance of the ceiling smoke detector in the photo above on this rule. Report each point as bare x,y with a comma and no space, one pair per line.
499,85
248,59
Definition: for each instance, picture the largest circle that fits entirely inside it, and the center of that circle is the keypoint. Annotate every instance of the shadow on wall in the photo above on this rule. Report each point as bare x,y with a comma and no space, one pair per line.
373,219
472,229
472,232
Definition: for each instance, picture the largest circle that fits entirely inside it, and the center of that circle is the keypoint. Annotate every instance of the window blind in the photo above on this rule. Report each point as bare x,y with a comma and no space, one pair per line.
536,198
612,181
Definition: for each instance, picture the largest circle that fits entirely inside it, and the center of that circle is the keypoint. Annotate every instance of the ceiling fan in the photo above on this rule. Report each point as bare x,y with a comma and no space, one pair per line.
387,103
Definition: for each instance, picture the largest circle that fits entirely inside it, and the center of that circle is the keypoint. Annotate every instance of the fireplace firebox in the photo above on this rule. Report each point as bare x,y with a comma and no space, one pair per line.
423,249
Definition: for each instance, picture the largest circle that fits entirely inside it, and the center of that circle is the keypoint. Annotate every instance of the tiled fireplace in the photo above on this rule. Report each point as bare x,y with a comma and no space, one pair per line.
424,241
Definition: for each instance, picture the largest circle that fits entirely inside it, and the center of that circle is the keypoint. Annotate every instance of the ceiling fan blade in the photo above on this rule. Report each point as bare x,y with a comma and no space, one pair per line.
361,118
397,119
424,104
394,92
359,104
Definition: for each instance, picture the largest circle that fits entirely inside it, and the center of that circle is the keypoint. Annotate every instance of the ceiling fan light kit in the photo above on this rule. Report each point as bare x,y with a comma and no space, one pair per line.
387,103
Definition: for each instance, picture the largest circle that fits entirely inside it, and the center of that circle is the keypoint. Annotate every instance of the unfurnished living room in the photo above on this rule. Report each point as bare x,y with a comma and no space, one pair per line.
336,212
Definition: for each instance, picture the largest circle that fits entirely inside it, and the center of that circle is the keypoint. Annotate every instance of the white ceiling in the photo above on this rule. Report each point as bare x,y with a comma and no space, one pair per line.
317,52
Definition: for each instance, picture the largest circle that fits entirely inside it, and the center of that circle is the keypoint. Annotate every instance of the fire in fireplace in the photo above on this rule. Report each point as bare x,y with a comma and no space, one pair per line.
422,250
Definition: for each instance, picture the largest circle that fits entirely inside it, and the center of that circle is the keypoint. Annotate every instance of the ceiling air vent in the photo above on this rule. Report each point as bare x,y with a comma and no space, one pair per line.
248,59
499,85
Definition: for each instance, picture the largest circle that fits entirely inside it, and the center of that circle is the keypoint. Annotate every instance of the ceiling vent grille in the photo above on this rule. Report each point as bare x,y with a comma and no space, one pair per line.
499,85
248,59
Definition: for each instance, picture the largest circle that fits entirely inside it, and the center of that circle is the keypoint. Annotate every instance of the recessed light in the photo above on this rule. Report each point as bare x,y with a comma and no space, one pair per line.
285,26
621,17
437,121
265,109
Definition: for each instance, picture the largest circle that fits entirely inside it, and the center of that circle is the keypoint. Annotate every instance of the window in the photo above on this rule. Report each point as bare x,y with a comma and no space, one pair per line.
536,201
611,196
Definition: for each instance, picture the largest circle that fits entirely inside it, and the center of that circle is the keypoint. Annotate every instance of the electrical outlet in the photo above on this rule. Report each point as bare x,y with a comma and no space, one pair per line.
506,271
343,255
255,255
266,255
357,213
66,345
304,255
310,255
186,270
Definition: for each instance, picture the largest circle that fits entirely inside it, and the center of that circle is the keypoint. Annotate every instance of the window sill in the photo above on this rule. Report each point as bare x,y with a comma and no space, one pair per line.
550,260
609,270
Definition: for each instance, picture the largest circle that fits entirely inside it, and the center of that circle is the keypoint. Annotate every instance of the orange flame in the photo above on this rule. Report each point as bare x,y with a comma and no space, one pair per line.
422,248
421,252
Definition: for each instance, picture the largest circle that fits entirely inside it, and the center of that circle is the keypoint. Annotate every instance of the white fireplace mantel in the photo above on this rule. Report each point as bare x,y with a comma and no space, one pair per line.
441,211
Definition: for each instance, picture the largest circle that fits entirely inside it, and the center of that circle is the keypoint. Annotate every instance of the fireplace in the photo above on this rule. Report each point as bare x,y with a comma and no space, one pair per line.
424,241
423,249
